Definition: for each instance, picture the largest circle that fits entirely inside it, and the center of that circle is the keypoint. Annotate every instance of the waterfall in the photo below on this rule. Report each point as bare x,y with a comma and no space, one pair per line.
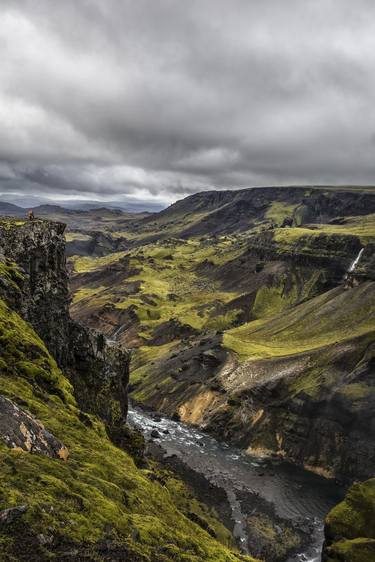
113,339
356,261
119,329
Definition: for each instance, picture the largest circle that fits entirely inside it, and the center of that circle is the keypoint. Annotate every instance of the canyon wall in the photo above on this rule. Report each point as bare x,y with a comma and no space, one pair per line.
98,369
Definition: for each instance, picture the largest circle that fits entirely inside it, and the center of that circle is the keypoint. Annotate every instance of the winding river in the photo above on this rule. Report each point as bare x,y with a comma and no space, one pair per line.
295,494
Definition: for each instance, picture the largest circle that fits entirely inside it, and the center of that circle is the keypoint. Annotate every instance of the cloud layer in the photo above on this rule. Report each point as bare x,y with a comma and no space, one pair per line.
150,101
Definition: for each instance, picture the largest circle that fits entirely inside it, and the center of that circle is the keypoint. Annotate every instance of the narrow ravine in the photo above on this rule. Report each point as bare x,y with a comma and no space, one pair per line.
295,495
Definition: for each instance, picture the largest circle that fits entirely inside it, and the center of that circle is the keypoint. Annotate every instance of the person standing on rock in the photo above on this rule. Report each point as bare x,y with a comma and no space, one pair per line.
31,215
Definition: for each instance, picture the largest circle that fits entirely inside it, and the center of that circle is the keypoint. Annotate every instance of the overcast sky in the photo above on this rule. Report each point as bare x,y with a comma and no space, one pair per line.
150,100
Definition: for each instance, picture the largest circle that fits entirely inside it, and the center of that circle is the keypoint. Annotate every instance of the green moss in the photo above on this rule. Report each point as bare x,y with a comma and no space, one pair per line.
86,263
356,391
223,321
98,490
357,550
355,516
9,223
87,294
166,268
279,211
332,317
77,237
24,355
288,236
273,300
206,517
363,227
10,273
350,526
263,530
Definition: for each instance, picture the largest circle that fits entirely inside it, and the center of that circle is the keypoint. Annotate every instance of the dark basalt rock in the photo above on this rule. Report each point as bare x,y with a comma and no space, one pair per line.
20,430
98,369
10,515
95,244
171,330
38,249
100,374
234,211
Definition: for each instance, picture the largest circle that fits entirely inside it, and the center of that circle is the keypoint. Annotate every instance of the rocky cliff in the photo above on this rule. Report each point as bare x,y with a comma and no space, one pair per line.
98,369
38,249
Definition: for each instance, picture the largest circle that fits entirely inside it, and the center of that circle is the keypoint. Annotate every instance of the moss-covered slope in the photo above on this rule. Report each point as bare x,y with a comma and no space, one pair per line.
96,505
350,526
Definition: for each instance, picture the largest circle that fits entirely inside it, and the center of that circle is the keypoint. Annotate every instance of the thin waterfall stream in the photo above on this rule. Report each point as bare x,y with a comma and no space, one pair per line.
355,262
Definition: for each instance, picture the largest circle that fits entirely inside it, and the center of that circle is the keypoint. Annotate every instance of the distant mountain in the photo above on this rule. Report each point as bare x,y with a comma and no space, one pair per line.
129,207
230,211
83,210
10,209
97,225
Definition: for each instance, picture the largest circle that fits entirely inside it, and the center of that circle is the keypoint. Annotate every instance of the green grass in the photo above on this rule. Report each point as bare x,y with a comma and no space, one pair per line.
273,300
168,268
144,356
363,227
332,317
99,487
278,211
289,236
87,293
76,236
11,275
351,525
355,516
83,264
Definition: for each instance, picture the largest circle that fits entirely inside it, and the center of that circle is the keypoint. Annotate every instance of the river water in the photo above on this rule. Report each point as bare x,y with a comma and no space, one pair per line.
295,494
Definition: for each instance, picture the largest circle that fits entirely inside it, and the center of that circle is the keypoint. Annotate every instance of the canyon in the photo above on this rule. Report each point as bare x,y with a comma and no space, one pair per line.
75,482
249,316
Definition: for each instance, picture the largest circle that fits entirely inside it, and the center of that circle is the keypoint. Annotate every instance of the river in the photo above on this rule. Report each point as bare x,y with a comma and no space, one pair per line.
295,495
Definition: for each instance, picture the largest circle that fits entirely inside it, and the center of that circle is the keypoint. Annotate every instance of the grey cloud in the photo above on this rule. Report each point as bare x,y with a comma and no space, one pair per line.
155,100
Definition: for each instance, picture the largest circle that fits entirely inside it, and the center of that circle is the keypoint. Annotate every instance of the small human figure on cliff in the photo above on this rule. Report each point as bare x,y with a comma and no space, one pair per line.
31,215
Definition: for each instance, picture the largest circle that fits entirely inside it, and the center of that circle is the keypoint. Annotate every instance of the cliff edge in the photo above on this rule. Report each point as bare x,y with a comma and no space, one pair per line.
35,252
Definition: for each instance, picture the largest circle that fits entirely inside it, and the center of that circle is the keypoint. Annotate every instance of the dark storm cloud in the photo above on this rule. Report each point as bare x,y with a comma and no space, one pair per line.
155,100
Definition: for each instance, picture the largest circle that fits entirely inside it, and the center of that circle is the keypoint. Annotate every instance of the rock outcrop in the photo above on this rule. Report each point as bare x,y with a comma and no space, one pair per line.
350,527
38,249
32,260
100,374
20,430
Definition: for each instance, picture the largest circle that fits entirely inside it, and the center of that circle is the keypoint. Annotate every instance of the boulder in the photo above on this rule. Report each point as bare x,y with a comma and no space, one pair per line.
20,430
